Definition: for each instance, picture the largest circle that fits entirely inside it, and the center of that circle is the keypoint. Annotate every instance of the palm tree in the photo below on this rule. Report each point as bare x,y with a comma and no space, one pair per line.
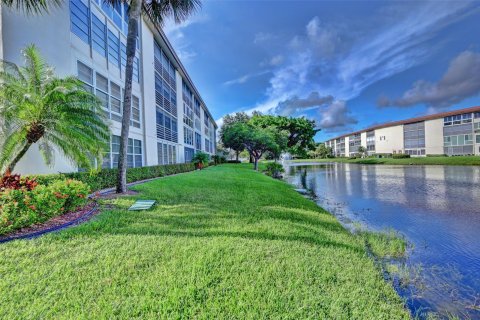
38,107
157,11
31,6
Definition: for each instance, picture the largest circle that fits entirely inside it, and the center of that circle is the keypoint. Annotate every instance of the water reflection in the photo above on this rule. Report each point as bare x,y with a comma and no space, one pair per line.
437,208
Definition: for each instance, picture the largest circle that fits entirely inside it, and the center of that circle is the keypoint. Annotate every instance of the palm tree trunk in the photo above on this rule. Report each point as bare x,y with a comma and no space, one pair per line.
133,17
17,158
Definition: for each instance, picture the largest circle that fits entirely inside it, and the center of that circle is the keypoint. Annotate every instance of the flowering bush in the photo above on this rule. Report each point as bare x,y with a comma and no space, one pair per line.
22,207
14,181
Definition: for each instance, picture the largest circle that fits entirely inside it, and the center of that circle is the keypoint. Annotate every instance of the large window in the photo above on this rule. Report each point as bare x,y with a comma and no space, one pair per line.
113,49
134,153
458,140
80,20
165,83
207,145
167,153
187,105
189,152
99,39
198,141
414,135
457,119
188,136
166,126
110,94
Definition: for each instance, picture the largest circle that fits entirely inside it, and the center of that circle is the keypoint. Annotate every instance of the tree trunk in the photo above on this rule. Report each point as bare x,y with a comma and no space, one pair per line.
236,154
17,158
251,159
255,164
133,16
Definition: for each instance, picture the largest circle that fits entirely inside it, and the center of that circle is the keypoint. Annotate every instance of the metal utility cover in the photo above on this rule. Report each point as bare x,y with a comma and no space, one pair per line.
142,205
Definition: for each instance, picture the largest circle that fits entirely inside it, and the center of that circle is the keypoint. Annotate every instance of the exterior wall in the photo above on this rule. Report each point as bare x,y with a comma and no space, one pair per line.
62,49
434,136
363,139
347,146
389,140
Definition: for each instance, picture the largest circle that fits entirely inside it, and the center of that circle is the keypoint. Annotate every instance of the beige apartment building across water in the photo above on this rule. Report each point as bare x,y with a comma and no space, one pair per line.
452,133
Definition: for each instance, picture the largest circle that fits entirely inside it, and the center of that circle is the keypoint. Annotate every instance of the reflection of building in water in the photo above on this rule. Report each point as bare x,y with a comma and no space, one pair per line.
389,184
452,133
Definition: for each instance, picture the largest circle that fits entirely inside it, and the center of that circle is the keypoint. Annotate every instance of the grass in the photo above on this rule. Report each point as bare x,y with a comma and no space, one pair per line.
225,242
454,161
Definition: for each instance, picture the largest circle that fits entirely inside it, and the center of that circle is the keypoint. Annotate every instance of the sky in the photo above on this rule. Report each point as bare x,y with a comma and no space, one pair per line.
347,65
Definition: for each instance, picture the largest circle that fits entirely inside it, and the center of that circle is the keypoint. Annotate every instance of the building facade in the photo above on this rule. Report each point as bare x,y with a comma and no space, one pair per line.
87,38
452,133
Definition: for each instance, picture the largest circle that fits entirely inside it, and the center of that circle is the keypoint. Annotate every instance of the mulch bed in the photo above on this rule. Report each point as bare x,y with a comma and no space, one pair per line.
54,224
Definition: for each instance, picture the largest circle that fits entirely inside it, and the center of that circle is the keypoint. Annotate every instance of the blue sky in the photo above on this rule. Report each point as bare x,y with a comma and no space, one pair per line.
347,65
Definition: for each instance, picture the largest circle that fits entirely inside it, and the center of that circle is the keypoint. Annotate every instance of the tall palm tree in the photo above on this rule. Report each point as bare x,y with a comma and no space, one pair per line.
32,6
157,11
38,107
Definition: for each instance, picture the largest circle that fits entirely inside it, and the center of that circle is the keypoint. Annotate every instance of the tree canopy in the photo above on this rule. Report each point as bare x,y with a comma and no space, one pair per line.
301,131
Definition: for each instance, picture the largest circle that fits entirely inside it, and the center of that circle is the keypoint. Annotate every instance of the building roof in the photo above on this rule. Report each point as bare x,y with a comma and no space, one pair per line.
180,65
413,120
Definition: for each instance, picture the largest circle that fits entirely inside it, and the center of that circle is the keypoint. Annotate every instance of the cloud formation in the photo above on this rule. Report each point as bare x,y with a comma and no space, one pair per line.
245,78
296,104
460,81
336,117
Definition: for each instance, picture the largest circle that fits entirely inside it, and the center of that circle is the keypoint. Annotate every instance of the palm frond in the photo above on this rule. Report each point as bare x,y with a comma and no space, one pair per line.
32,6
180,10
46,151
10,146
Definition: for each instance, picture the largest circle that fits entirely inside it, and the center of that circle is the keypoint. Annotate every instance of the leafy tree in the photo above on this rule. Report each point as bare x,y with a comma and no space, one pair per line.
31,6
322,151
228,140
201,159
38,107
256,140
300,131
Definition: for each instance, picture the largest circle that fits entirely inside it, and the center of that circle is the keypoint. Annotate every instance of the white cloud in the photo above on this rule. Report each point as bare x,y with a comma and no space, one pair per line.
245,78
175,34
336,117
263,37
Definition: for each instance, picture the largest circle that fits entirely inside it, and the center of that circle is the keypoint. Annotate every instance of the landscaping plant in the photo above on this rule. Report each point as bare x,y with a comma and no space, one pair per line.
200,159
23,207
275,170
39,108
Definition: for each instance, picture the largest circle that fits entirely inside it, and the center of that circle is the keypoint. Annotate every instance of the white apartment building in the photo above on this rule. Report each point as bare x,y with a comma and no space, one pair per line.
452,133
87,38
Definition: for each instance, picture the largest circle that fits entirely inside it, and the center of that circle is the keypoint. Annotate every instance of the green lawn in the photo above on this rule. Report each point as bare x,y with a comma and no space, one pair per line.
454,161
225,242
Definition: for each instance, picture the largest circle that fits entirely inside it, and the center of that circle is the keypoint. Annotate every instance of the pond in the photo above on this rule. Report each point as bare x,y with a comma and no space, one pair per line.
436,209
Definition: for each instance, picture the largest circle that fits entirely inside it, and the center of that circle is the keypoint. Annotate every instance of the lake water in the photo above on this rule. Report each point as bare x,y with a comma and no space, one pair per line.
437,210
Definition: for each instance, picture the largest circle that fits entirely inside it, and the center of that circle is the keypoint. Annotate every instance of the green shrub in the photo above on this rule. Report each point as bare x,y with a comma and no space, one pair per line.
400,156
217,159
352,158
106,178
234,161
21,208
437,155
201,159
274,169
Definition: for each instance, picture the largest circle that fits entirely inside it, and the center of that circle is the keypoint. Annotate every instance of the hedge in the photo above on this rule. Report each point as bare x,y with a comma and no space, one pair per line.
400,156
106,178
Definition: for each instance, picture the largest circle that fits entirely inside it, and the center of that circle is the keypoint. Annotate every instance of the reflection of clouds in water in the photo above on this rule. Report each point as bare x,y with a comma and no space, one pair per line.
436,207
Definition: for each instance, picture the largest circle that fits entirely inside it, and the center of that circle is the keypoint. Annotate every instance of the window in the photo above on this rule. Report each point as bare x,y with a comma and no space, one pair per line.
207,145
165,85
135,112
115,150
167,153
476,115
476,126
102,91
466,118
113,49
187,136
189,152
166,126
198,141
85,74
115,101
134,153
136,72
187,105
80,20
99,37
458,140
477,138
197,108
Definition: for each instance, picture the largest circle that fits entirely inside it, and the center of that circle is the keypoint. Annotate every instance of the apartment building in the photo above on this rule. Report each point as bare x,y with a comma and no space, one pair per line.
87,38
452,133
